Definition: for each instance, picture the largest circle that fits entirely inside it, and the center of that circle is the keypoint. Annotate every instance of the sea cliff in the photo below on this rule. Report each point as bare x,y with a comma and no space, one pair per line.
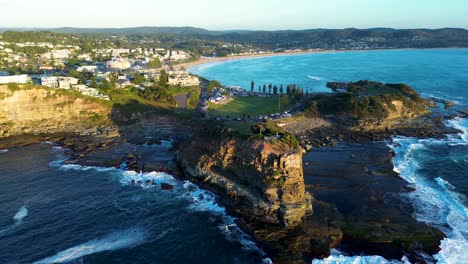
259,181
32,110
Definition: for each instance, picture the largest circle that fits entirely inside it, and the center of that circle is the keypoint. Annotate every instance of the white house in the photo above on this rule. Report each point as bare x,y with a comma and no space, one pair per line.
22,79
89,91
87,68
118,64
59,82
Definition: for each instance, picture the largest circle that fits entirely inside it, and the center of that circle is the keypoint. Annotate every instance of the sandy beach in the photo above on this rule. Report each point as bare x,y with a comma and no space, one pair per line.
204,60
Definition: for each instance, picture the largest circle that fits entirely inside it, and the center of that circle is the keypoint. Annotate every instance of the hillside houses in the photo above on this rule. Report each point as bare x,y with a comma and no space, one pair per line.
59,82
93,92
61,54
88,68
118,64
20,79
176,55
182,78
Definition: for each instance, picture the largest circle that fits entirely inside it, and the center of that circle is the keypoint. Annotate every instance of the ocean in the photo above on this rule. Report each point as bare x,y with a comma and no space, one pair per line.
56,213
436,168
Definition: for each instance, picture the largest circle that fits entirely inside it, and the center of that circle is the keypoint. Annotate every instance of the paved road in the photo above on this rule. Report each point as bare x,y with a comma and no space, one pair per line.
181,100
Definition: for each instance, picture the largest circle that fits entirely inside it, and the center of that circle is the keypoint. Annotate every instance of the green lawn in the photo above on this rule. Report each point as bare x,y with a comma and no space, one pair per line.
240,106
242,127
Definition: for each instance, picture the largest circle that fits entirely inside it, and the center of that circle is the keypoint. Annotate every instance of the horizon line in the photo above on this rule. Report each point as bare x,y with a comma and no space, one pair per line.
227,30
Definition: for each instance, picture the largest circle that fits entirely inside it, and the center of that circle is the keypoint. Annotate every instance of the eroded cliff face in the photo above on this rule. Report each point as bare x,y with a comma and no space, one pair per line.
260,182
48,111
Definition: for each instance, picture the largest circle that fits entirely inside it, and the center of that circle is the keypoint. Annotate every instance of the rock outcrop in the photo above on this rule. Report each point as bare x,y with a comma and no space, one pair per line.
260,182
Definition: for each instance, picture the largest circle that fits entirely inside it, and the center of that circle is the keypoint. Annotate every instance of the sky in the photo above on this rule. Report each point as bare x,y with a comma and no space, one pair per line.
235,14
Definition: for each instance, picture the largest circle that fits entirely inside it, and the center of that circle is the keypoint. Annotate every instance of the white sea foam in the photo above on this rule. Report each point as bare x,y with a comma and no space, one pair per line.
3,151
205,201
462,125
21,214
66,167
114,241
18,217
314,78
200,200
435,201
337,257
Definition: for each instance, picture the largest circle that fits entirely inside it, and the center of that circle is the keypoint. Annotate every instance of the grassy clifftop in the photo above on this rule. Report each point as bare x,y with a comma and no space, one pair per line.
364,100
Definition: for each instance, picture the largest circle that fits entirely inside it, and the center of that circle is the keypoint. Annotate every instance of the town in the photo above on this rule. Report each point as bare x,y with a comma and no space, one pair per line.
92,73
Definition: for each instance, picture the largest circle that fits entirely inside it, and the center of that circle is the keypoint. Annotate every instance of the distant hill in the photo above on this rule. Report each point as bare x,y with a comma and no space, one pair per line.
140,30
348,38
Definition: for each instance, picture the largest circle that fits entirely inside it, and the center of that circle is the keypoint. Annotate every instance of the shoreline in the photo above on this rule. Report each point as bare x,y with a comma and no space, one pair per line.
207,60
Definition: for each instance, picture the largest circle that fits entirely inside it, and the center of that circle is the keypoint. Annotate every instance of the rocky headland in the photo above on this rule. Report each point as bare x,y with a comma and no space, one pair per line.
299,186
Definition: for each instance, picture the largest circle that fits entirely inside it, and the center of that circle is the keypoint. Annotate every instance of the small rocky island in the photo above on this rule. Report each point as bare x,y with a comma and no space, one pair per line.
280,178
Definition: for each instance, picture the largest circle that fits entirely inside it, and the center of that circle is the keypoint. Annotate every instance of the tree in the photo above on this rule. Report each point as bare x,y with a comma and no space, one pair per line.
139,79
259,88
163,78
72,62
269,89
252,85
275,90
288,89
293,89
154,64
93,83
281,89
212,85
264,89
105,85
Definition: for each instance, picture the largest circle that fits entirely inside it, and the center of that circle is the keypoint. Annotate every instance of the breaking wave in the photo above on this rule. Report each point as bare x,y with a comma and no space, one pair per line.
21,214
314,78
435,200
18,217
114,241
199,200
337,257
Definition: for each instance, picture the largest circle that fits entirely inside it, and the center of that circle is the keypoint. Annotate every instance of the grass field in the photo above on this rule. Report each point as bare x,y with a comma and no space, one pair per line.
240,106
242,127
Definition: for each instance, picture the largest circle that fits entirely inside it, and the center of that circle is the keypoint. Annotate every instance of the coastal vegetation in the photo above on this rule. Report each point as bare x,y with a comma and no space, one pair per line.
367,100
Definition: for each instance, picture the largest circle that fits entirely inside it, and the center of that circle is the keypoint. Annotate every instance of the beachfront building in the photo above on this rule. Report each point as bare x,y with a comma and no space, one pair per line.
176,55
182,78
21,79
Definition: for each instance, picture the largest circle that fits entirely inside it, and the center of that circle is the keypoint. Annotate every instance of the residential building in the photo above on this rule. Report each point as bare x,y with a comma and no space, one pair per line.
176,55
21,79
118,64
85,90
67,82
51,82
182,78
59,82
56,54
87,68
